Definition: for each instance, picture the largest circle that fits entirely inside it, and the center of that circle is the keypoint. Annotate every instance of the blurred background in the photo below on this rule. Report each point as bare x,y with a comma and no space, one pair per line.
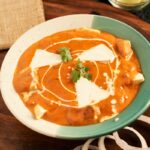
143,13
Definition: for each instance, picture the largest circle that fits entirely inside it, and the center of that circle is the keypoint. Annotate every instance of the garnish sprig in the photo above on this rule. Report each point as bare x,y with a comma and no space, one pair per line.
80,71
65,54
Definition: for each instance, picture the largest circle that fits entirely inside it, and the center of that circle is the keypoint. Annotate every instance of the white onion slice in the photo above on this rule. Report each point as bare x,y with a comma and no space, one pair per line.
91,147
145,119
101,143
87,143
141,138
78,147
120,142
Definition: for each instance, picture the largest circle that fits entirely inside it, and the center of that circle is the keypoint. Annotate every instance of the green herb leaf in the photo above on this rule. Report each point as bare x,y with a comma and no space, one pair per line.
79,64
75,75
88,76
65,54
80,71
86,69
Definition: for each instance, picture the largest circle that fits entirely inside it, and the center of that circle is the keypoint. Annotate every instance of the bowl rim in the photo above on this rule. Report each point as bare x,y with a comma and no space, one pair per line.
68,135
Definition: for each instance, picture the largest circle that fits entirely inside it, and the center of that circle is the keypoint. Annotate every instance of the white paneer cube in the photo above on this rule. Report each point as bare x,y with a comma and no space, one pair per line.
39,111
44,58
139,78
25,96
100,53
88,92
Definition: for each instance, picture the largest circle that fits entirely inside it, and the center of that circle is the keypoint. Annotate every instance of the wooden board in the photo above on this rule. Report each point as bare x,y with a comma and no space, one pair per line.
14,135
56,8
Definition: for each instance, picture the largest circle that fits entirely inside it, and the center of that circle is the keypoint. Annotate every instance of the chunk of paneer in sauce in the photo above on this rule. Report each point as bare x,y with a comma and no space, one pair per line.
76,116
124,48
131,74
22,80
39,111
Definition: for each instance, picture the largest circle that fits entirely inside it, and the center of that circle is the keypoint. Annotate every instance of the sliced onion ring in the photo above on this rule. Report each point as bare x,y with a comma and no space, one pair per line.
87,143
145,119
101,143
120,142
90,147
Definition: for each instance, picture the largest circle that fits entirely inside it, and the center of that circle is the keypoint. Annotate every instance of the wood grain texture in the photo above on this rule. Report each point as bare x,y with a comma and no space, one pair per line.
15,136
55,8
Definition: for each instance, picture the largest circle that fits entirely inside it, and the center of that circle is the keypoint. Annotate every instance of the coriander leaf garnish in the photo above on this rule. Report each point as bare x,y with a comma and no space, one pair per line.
80,71
88,76
86,69
75,75
79,64
65,54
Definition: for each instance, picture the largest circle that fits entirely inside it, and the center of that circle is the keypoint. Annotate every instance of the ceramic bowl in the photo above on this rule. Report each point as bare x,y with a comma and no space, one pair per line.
120,29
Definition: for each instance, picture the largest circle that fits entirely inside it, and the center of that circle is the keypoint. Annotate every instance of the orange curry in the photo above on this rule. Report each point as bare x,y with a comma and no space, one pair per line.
52,90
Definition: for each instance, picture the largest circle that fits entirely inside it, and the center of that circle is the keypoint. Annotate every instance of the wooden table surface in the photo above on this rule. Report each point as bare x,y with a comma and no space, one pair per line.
15,136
